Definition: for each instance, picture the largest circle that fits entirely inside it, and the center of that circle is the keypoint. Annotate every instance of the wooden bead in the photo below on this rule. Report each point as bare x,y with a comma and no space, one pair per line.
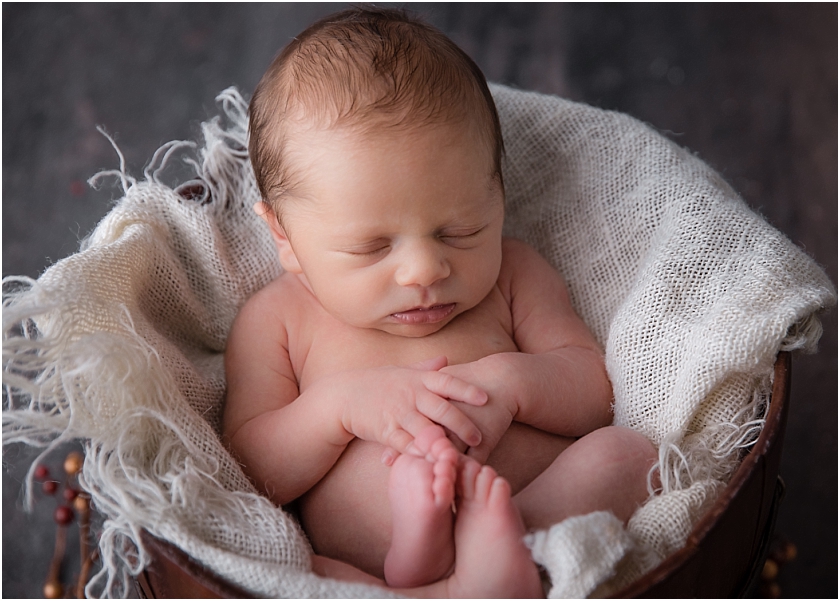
81,504
73,463
770,570
771,590
790,551
783,552
49,487
53,590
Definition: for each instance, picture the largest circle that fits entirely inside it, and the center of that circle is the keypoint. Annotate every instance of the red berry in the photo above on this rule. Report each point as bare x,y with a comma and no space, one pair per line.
63,515
50,486
70,494
41,472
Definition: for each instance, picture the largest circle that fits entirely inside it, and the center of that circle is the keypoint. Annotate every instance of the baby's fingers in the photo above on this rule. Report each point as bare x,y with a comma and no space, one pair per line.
399,441
433,364
389,456
450,387
442,412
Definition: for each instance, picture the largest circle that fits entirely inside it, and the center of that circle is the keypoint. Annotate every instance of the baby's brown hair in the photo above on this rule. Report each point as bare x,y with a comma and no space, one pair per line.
364,67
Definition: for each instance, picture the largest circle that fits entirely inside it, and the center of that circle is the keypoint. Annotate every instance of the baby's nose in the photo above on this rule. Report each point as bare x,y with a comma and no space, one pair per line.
422,265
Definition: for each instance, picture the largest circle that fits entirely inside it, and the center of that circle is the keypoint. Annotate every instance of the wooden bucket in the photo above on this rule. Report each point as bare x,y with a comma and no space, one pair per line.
722,557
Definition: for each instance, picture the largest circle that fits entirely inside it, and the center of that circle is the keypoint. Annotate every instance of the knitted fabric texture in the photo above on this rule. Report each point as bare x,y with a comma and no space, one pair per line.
121,344
580,552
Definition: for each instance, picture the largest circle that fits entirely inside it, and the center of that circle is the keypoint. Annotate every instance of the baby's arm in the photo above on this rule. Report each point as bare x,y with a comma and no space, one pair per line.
288,441
558,382
284,446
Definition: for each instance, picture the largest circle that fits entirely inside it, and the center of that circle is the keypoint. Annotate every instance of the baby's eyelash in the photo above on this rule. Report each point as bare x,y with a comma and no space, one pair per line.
365,253
463,235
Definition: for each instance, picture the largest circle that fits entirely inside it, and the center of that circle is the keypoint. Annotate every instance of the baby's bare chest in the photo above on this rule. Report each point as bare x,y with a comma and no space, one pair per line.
331,347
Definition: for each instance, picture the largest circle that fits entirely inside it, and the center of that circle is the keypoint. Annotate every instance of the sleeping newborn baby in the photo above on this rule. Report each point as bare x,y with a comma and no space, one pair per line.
418,384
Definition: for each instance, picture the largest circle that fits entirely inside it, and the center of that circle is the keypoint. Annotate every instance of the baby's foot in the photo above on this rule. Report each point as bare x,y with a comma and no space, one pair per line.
491,559
443,455
421,494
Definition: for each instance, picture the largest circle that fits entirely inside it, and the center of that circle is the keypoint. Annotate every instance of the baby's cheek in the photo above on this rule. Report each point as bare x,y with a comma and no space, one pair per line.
484,278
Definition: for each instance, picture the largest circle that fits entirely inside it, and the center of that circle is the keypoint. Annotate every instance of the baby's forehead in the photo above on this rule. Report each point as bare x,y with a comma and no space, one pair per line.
370,122
316,147
307,136
346,161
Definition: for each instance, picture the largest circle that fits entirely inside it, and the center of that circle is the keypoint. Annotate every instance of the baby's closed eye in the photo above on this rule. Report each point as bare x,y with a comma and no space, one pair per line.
372,247
461,237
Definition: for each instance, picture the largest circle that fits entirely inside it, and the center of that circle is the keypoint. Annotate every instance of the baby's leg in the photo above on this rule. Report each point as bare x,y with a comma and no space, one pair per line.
421,492
491,561
605,470
491,558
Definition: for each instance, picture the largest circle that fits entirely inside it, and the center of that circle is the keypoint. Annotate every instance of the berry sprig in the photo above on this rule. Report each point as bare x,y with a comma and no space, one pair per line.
75,503
781,552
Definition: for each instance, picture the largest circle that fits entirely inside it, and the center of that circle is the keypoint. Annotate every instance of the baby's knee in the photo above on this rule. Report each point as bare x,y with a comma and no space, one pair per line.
621,448
624,459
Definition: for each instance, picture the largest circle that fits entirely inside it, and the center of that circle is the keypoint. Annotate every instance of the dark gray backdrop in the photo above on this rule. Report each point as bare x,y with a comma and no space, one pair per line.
751,88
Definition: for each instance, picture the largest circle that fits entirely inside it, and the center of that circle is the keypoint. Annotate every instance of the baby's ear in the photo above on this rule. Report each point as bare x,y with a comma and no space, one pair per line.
288,259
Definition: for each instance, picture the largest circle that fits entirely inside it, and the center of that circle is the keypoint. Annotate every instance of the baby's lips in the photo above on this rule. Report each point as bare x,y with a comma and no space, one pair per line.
424,315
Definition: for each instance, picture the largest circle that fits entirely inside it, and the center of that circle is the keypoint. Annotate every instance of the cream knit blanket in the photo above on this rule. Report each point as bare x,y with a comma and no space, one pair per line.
121,345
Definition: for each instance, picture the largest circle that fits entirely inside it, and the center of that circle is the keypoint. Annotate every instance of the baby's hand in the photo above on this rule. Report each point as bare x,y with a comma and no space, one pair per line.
495,416
393,405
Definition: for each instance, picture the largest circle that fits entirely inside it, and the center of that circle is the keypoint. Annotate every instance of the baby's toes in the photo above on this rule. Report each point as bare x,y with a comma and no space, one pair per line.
484,483
444,492
442,449
430,438
499,494
445,475
469,470
446,466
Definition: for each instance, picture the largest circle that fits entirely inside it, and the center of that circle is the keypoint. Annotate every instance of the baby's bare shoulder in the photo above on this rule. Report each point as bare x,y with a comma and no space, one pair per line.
283,294
269,309
514,250
521,263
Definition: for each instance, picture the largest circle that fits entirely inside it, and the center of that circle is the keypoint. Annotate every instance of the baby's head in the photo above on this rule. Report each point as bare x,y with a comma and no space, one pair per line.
377,149
366,70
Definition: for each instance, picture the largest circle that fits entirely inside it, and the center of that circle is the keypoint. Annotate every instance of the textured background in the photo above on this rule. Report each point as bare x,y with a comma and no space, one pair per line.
752,89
